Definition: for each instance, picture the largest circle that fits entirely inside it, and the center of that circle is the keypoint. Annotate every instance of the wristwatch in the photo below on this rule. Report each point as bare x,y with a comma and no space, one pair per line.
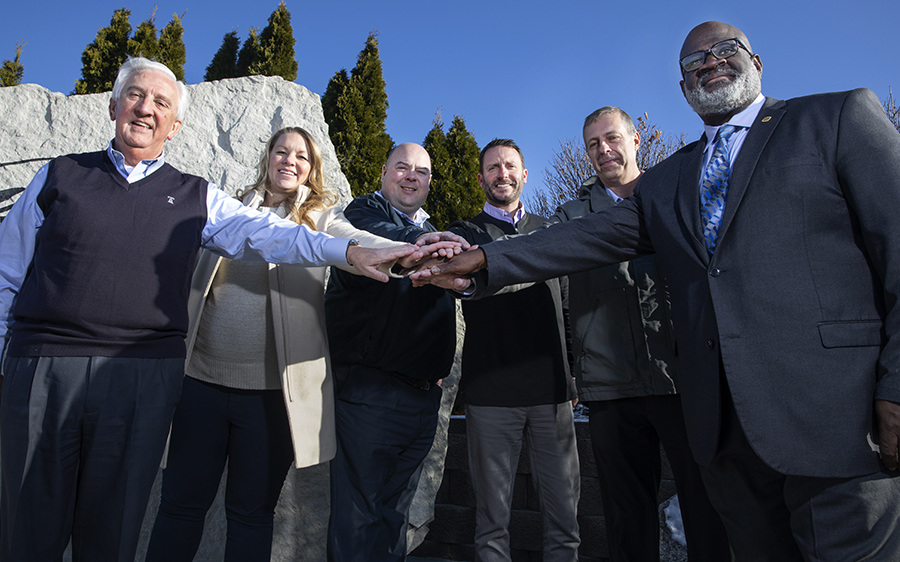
352,242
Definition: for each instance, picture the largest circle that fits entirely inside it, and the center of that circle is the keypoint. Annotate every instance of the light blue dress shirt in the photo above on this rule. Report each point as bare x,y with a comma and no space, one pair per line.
232,230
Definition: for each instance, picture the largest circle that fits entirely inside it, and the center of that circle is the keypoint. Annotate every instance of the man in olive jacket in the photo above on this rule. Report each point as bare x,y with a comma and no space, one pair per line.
624,361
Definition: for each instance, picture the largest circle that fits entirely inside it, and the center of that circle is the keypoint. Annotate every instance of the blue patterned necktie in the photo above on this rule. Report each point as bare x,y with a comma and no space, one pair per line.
714,188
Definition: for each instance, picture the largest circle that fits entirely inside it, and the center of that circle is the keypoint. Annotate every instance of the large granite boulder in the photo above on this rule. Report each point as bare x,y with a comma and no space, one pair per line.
224,134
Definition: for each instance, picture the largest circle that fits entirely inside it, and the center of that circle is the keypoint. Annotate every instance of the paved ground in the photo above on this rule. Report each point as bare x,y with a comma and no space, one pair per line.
670,549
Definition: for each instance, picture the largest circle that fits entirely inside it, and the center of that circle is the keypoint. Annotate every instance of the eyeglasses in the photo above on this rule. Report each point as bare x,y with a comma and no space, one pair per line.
721,50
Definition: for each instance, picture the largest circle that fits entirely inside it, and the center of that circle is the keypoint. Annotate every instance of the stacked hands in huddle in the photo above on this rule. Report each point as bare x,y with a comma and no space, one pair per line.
450,270
436,247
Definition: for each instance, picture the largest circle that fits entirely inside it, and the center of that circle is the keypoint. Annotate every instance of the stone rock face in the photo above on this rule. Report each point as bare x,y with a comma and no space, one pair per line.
224,133
225,130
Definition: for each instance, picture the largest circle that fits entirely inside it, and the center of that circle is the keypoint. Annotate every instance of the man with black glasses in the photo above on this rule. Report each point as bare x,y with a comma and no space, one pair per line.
778,237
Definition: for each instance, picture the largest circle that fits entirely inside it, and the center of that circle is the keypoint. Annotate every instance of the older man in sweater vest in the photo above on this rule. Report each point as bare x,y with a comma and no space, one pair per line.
95,263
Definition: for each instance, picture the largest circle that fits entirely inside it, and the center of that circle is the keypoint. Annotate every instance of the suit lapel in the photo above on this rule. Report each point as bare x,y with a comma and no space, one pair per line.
688,197
747,159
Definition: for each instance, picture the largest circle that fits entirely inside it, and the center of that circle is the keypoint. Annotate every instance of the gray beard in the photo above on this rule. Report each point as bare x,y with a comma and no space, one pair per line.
722,101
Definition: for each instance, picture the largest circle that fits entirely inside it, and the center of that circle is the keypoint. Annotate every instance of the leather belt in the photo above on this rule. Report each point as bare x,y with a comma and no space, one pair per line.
421,384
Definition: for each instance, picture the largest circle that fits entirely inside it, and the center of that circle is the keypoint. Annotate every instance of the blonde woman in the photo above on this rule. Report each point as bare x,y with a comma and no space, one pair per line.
258,391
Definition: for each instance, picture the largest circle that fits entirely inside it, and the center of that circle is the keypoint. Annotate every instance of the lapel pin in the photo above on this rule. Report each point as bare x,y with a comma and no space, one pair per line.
767,118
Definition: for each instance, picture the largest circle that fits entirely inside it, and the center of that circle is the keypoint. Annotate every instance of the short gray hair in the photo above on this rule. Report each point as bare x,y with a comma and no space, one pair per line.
133,65
611,110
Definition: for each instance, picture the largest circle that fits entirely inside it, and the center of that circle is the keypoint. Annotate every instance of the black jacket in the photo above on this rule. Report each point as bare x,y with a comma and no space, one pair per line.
393,326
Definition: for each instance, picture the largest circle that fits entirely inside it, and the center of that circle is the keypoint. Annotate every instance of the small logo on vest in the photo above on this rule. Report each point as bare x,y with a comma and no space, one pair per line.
170,200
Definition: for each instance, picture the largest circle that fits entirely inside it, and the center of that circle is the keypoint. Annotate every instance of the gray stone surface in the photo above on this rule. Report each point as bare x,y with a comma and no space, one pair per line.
224,134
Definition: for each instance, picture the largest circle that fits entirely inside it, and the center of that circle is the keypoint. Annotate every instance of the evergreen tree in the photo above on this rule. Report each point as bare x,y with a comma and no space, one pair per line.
172,52
360,163
144,43
441,178
367,74
342,125
11,71
250,56
277,43
464,153
101,59
333,91
224,62
355,109
455,192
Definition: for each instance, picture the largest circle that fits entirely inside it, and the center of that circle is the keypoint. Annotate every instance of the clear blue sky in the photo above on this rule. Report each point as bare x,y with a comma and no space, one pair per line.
526,70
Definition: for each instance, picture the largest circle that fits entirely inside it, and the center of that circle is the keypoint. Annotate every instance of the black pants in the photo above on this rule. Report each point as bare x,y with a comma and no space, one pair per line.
81,441
385,428
626,434
771,516
249,429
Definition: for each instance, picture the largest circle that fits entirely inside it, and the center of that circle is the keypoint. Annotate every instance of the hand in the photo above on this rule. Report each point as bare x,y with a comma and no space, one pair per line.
453,273
888,416
445,236
367,260
445,249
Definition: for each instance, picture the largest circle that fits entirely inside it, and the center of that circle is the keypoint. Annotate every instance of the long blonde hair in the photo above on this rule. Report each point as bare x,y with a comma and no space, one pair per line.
320,196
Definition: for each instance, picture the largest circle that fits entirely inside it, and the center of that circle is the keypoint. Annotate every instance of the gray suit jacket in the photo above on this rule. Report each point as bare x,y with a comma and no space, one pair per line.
798,304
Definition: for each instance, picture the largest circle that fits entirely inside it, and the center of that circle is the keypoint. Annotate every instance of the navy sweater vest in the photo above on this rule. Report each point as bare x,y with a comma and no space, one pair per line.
112,264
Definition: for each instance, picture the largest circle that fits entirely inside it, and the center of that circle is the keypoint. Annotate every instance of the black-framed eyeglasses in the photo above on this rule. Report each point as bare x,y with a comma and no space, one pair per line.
721,50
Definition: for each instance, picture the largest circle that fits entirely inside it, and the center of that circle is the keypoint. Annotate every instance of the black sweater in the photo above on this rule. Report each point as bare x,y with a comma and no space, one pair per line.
515,348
